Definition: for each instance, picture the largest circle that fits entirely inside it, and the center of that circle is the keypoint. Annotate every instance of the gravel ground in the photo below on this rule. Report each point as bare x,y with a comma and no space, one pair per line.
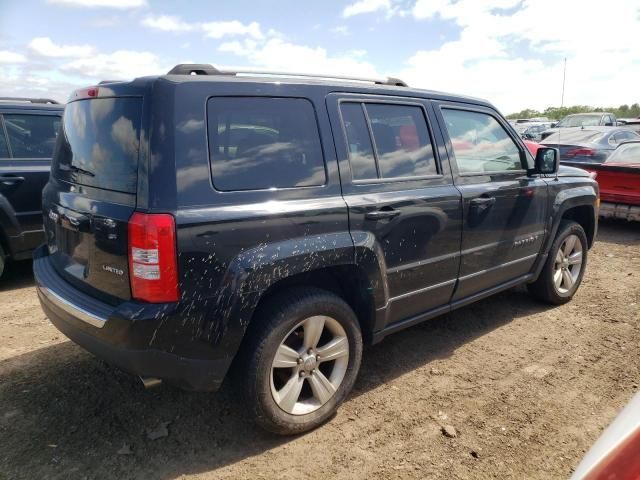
523,390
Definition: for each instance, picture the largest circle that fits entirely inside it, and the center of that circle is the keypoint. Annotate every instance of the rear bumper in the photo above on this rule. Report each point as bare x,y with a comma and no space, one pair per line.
125,335
620,211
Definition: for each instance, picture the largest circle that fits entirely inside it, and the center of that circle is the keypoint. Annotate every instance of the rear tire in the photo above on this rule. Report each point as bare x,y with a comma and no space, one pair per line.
3,261
301,361
565,266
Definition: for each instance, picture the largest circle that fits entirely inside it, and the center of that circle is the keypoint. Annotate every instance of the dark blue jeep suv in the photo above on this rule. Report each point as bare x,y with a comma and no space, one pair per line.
206,218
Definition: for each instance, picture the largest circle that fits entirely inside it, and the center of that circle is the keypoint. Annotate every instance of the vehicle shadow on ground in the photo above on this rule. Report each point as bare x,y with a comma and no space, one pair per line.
17,275
67,413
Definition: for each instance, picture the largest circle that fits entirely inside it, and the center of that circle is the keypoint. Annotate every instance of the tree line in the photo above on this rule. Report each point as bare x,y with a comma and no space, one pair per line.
556,113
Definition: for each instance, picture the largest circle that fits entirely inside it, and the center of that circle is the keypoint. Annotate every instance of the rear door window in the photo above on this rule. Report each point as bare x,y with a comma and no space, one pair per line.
31,136
387,141
258,143
480,144
100,144
402,141
361,159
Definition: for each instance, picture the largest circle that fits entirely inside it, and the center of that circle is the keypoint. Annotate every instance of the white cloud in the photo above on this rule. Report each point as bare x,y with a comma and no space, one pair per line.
7,56
281,55
603,62
223,29
47,48
18,83
217,30
167,23
340,30
366,6
121,64
117,4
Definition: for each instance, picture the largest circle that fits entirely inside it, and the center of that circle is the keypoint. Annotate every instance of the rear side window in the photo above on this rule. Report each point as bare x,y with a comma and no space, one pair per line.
31,136
101,139
479,142
4,151
258,143
402,143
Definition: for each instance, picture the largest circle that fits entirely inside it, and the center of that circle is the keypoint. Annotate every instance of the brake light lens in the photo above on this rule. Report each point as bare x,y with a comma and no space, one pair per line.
580,152
83,93
153,266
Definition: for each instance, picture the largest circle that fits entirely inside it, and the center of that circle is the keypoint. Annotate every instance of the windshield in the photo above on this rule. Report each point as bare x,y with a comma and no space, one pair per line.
626,153
580,121
99,144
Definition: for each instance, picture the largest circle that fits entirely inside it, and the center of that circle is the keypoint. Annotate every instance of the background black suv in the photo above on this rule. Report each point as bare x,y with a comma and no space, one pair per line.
195,221
28,129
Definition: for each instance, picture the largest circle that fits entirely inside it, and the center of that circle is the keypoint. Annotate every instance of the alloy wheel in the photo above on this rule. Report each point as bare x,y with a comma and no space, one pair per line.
568,264
309,365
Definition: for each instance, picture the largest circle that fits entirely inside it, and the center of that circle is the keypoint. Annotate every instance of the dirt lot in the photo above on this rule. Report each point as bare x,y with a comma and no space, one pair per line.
527,387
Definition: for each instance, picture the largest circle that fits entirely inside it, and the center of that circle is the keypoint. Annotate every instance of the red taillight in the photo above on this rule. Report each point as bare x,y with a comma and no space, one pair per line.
580,152
153,267
83,93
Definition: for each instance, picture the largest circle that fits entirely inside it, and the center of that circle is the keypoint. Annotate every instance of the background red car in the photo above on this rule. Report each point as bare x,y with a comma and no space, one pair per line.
619,181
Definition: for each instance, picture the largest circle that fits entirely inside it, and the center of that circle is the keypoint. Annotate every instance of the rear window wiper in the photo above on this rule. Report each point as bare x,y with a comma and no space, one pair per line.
73,168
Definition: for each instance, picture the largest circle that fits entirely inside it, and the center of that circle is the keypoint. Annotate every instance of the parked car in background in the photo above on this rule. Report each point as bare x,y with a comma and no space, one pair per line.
520,128
588,144
533,147
534,132
614,456
619,181
28,129
630,123
595,119
278,224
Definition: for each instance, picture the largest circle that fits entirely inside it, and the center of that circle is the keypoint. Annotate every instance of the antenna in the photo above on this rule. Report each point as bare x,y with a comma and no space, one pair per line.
564,76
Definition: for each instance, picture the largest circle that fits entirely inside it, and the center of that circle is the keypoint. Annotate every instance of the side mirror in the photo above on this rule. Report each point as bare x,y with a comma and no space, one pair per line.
608,124
547,161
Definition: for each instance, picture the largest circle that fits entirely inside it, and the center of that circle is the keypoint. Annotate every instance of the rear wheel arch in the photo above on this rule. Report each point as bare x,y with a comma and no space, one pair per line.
349,282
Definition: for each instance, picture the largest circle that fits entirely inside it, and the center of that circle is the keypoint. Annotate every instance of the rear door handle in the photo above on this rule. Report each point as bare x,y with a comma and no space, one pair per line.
11,180
379,214
483,202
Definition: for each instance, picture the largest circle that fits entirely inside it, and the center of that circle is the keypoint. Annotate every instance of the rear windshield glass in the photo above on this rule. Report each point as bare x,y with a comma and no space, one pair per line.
629,153
259,143
99,144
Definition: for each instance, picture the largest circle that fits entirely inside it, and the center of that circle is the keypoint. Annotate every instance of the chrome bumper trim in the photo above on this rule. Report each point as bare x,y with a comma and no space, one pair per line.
72,309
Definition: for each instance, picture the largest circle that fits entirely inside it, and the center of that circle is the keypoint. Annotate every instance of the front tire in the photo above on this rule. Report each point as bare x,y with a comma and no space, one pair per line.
301,361
565,266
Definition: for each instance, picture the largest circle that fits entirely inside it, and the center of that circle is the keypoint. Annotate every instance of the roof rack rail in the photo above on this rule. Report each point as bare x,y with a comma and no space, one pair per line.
194,69
30,100
207,69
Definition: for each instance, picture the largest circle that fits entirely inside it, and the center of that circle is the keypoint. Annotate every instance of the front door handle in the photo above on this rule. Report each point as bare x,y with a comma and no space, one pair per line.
379,214
11,180
483,202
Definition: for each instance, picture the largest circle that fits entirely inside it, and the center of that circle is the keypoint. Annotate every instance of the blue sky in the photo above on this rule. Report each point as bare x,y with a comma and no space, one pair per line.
508,51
